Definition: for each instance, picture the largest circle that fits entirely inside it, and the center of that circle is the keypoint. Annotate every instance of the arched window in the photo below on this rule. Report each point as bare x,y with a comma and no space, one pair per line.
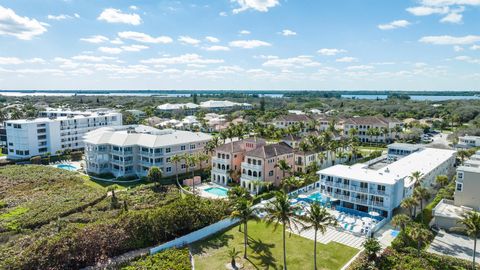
249,172
244,171
259,174
223,166
228,156
228,167
223,179
254,162
223,156
259,162
254,173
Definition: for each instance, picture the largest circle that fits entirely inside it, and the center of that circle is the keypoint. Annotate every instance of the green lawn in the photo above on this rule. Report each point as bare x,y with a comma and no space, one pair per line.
265,250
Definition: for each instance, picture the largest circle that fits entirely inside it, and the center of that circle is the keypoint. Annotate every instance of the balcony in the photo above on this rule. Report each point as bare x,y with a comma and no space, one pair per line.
119,152
250,178
219,171
378,192
359,200
341,185
377,204
360,189
250,166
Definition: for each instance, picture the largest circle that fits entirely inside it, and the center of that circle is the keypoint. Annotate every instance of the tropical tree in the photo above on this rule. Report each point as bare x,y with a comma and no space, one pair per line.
321,157
238,192
471,224
244,211
283,166
420,235
442,180
318,219
154,174
201,158
233,255
416,178
421,194
291,183
462,154
372,247
409,203
401,220
280,211
176,159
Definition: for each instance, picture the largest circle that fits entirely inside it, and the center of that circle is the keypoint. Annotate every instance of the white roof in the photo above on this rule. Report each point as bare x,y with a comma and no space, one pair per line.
447,209
61,118
424,161
177,106
143,136
468,137
221,104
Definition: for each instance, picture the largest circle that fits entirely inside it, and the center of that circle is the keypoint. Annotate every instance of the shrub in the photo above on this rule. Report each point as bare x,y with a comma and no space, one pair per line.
76,156
178,259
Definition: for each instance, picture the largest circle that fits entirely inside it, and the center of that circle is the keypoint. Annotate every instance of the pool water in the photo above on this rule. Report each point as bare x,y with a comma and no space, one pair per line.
221,192
315,197
67,167
394,233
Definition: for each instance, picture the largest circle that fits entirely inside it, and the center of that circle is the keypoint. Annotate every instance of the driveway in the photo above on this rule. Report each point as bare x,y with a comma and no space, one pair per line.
454,245
440,141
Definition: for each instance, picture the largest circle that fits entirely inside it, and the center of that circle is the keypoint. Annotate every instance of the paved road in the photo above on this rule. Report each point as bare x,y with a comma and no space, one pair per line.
440,141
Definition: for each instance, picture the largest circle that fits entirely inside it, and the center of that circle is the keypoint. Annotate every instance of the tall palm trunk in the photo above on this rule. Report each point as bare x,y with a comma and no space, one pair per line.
315,251
245,240
284,250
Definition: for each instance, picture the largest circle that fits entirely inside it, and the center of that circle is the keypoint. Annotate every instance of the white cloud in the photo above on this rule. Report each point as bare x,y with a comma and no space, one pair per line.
258,5
426,11
132,7
287,33
212,39
450,2
467,59
457,48
217,48
244,32
61,17
360,67
450,40
23,28
10,61
394,25
182,59
110,50
116,41
188,40
86,58
249,44
223,14
95,39
297,62
454,17
112,15
142,37
134,48
36,60
330,52
347,59
475,47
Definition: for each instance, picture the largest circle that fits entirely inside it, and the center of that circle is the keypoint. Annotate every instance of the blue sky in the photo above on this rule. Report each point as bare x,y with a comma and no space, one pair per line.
240,44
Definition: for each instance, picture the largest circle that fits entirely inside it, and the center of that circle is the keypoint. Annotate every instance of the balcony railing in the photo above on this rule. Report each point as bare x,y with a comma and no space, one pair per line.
251,166
378,204
379,192
358,200
360,189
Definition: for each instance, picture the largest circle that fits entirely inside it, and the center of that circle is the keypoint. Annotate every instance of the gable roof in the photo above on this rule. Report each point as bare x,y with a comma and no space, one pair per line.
293,118
271,150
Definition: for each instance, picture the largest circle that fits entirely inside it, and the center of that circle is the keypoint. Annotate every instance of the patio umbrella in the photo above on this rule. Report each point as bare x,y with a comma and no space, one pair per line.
349,220
373,214
293,200
302,196
366,219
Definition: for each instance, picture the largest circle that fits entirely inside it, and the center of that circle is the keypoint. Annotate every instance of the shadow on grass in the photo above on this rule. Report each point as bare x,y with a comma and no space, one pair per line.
218,241
262,254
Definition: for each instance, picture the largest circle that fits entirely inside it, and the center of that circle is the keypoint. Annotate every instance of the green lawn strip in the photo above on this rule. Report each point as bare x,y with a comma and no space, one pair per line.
265,250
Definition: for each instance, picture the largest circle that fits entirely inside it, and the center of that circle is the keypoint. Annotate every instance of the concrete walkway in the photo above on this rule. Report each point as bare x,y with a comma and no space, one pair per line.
335,235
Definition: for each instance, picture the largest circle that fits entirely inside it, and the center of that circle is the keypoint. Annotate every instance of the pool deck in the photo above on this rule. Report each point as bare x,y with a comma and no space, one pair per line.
200,190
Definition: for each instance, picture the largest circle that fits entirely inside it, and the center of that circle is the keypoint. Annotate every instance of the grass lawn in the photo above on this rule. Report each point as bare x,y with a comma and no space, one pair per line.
265,250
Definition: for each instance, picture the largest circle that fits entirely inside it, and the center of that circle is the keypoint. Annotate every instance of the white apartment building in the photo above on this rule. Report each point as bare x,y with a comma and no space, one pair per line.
468,141
363,124
380,185
54,131
132,150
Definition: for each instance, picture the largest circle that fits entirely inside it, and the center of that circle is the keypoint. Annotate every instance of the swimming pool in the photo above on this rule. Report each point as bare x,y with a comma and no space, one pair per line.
221,192
315,197
394,233
67,167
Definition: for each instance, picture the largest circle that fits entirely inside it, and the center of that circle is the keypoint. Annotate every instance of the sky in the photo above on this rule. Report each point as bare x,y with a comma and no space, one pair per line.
240,44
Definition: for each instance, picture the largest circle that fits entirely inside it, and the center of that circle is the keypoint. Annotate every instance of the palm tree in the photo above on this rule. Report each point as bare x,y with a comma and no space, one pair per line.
471,222
421,194
462,154
372,247
244,211
291,182
442,180
416,177
155,175
283,166
233,254
318,219
176,159
281,211
401,220
321,157
201,158
420,235
409,203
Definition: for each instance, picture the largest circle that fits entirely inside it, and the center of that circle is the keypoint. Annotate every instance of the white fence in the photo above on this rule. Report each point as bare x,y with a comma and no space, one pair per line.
196,235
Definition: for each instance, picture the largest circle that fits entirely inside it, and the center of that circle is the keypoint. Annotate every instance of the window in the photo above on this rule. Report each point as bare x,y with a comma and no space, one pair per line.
167,160
168,169
182,147
168,150
460,175
192,146
270,173
183,166
459,187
